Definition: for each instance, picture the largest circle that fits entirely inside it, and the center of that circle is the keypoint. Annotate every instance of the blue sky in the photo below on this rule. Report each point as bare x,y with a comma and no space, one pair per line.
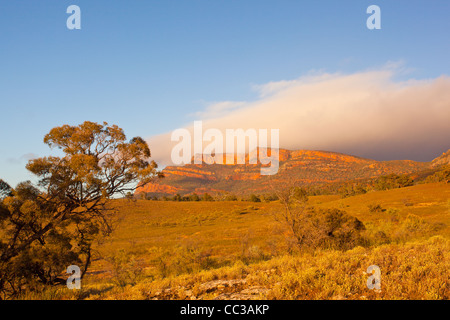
149,66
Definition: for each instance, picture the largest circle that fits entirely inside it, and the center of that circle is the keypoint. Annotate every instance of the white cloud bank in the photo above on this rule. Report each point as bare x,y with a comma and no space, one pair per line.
366,114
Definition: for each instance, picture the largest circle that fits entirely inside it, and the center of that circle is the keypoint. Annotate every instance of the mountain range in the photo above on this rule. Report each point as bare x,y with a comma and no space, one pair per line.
306,167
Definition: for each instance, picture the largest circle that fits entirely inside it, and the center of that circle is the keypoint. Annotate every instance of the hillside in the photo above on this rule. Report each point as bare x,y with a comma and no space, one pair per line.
444,159
304,166
236,250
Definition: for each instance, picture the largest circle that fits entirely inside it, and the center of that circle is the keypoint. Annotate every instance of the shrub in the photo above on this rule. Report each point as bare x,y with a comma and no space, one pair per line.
270,197
125,268
407,202
392,181
230,197
340,230
207,197
194,197
326,228
188,257
351,190
375,208
443,175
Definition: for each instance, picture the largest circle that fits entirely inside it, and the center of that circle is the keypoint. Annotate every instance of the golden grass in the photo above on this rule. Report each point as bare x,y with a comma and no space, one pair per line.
416,270
177,246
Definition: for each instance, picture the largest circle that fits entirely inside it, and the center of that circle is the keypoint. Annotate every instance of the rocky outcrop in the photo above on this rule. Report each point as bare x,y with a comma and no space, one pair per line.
234,289
160,188
190,172
444,159
307,167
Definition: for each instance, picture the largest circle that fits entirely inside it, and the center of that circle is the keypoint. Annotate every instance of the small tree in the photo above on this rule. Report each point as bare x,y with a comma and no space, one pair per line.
311,228
207,197
293,215
231,197
270,197
443,175
51,225
194,197
392,181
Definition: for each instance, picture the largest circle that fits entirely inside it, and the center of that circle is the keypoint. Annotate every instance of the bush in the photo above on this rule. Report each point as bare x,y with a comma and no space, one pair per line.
443,175
126,269
375,208
207,197
270,197
230,197
351,190
326,229
412,227
392,181
188,257
194,197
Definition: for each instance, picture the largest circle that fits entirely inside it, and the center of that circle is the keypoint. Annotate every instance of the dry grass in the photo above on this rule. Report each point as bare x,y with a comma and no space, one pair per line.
167,250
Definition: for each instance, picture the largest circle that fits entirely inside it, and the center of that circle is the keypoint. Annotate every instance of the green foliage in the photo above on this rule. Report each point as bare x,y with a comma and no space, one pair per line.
392,181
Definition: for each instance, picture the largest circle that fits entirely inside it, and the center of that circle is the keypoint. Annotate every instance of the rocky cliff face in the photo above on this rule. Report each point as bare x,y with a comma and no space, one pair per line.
442,160
305,166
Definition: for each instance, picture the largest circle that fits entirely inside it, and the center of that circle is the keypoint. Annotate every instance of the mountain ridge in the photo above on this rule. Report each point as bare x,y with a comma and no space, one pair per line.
443,159
306,167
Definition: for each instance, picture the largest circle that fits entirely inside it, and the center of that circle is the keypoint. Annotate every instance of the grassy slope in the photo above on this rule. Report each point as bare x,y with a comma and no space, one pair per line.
157,231
429,201
145,224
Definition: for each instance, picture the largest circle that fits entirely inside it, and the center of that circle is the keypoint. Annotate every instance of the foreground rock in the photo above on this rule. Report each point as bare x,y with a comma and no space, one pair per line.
235,289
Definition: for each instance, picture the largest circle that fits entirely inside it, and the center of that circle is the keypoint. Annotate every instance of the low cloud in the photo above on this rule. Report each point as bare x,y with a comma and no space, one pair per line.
29,156
367,114
219,109
24,158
